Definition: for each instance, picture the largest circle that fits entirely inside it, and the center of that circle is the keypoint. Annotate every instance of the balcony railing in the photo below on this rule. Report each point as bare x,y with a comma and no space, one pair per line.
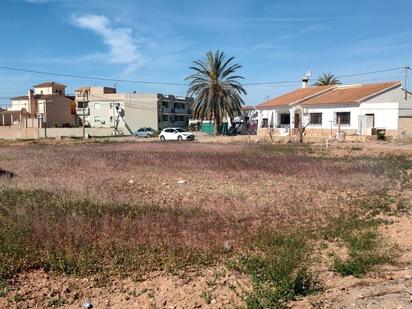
79,111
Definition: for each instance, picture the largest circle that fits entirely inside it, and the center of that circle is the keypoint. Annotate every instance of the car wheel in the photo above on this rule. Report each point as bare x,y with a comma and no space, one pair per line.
162,138
180,138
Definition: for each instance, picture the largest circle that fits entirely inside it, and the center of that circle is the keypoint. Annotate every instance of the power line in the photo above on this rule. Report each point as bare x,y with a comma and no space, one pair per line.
182,84
369,73
92,78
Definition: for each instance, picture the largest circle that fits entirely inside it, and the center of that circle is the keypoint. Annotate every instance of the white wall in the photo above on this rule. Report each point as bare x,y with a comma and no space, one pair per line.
386,114
329,118
267,113
49,90
17,105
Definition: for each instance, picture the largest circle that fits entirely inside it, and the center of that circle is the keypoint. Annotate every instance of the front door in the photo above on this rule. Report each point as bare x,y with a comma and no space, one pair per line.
297,120
369,123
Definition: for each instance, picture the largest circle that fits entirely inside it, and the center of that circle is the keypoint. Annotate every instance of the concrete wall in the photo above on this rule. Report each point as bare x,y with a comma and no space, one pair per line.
405,126
18,132
141,110
74,132
58,111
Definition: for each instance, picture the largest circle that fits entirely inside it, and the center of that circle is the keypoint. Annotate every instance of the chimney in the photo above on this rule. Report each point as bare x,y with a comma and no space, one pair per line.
32,103
306,78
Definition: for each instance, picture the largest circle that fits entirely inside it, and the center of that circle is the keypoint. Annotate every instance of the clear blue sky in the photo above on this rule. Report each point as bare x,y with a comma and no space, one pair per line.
274,40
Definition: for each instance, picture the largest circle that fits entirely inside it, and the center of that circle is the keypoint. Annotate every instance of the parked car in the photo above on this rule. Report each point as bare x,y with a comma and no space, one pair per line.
144,132
176,134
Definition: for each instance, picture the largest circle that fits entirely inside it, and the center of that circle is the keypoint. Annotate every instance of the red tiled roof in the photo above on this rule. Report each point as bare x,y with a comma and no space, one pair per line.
23,97
48,84
296,96
351,93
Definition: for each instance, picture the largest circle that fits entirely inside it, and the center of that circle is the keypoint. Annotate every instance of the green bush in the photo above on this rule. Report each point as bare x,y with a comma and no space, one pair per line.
366,249
280,273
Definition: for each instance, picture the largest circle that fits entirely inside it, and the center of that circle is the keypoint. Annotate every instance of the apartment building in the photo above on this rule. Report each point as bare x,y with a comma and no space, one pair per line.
103,107
46,102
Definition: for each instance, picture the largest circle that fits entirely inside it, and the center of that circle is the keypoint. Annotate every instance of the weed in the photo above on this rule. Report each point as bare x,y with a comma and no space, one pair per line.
207,296
4,288
366,249
56,302
18,298
280,273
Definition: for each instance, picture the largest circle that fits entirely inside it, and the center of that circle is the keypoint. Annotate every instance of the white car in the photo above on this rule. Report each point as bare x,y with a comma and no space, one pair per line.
176,134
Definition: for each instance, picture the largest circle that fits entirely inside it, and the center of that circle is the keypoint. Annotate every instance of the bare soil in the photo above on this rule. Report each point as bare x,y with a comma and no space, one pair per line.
212,287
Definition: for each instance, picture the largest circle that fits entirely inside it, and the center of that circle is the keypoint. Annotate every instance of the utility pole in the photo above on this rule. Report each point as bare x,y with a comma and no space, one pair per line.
85,93
114,118
405,86
44,118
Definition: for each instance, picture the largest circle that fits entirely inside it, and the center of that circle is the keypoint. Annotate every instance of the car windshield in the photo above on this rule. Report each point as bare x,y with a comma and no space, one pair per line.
180,130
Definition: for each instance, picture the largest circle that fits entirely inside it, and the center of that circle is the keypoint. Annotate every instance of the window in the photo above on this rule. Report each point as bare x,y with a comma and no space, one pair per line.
342,118
96,119
165,104
264,123
315,118
96,105
179,106
82,104
111,118
165,118
172,118
181,118
285,119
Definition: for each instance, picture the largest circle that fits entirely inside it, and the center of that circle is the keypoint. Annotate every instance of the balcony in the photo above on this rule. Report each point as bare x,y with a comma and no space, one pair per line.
79,111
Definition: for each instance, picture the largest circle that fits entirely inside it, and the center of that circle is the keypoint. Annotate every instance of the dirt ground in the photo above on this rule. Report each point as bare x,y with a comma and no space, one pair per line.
386,287
383,288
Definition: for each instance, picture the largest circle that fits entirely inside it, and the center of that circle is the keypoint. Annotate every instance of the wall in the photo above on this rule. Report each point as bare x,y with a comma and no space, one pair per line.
18,132
386,114
405,126
75,132
328,117
58,111
17,105
141,110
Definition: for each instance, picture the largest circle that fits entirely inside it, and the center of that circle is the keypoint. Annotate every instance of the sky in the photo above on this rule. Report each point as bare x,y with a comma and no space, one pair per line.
157,40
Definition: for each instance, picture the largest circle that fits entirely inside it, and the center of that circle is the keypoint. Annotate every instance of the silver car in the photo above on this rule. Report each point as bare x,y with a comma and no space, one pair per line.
144,132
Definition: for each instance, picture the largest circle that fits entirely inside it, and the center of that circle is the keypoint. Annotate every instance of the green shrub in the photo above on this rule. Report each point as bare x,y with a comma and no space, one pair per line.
366,249
280,273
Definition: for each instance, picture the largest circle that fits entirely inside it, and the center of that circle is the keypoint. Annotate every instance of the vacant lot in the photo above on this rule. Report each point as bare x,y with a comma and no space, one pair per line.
189,225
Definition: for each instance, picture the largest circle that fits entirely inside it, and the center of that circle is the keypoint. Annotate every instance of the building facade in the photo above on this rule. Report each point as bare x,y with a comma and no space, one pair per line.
103,107
323,111
47,102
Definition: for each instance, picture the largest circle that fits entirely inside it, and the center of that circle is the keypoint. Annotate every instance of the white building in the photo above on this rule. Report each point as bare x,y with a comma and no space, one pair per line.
354,109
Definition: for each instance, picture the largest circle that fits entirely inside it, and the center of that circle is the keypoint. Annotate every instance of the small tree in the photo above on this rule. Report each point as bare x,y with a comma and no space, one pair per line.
301,127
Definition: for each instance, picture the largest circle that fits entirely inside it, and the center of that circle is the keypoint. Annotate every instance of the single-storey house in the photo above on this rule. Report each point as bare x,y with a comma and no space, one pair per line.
359,109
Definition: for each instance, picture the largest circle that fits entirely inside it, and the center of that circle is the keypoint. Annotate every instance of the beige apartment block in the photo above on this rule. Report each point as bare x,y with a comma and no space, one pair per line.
102,107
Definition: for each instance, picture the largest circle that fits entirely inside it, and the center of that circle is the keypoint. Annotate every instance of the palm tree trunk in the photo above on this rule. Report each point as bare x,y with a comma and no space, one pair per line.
217,125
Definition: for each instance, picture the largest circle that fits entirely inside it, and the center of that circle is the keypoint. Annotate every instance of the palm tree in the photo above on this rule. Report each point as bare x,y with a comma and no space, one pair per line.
216,88
327,79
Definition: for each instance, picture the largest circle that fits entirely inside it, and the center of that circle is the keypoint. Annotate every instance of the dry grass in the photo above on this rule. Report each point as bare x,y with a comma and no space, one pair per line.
88,208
